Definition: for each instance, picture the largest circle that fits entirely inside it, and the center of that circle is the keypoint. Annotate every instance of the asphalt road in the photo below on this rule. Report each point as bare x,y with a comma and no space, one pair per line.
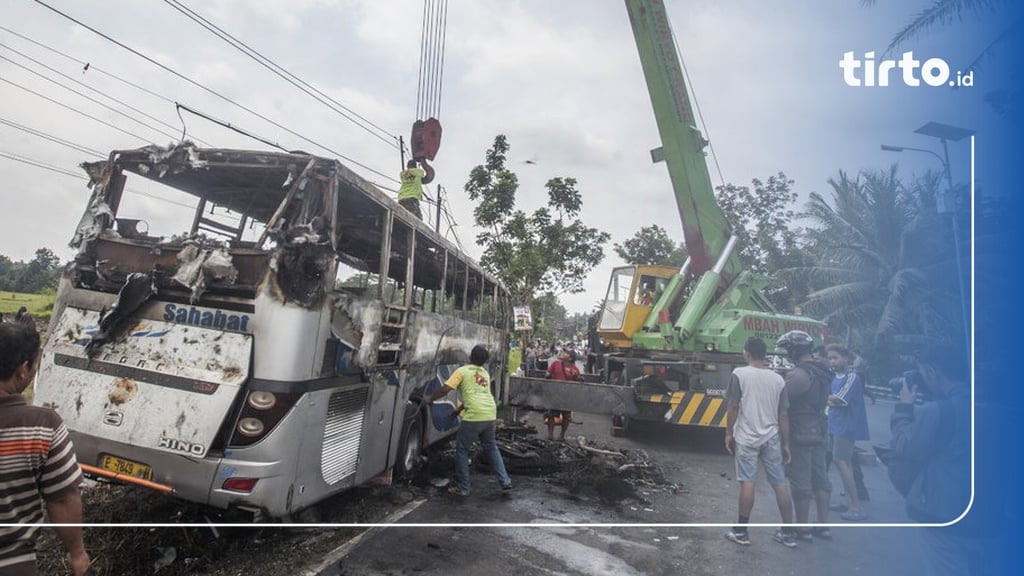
542,529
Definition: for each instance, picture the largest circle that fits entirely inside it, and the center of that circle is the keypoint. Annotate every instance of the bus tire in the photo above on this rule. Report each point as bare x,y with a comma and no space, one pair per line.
411,447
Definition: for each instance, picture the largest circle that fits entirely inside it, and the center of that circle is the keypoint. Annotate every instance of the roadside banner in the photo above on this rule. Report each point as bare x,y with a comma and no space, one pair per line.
524,319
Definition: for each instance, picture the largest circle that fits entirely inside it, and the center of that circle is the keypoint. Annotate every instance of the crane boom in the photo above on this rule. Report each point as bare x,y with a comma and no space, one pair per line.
705,229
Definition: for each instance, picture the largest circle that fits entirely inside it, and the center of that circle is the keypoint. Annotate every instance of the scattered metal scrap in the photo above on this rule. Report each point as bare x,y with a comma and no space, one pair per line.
585,468
137,289
198,265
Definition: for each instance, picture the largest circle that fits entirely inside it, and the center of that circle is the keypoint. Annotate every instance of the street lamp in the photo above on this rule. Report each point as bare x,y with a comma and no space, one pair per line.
946,203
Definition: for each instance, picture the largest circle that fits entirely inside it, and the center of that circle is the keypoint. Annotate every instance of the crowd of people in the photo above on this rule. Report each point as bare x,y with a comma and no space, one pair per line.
795,426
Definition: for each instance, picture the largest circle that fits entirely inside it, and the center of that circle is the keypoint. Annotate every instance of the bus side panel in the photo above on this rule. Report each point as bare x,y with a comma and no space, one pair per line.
434,340
289,343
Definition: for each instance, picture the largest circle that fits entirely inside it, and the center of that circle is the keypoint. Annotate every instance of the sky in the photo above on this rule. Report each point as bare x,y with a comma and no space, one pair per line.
562,80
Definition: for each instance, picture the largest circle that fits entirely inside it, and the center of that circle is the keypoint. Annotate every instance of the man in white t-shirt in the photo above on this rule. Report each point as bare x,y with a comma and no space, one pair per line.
757,430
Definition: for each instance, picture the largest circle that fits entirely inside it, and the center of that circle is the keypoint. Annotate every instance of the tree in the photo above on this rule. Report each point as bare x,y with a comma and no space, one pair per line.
35,276
762,218
884,271
1005,43
651,245
549,250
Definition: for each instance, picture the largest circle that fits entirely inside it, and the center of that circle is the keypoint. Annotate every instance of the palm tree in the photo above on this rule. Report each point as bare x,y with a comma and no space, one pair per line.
951,12
883,272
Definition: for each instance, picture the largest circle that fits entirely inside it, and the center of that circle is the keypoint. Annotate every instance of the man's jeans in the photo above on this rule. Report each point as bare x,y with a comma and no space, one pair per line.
468,433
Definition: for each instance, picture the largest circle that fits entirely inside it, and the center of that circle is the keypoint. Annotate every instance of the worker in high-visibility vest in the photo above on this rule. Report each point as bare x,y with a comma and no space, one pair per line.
411,192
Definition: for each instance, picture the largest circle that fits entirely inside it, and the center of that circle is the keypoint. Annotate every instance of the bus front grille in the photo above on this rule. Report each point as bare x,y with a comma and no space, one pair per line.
340,452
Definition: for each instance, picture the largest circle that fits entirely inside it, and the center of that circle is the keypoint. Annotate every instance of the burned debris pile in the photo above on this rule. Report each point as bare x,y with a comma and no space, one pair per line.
583,467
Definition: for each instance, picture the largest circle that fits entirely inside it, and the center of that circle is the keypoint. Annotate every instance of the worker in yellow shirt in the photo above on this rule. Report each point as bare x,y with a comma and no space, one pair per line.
411,192
479,418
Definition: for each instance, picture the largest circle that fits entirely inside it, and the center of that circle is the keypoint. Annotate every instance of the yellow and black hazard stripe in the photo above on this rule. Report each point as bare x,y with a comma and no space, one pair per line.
692,408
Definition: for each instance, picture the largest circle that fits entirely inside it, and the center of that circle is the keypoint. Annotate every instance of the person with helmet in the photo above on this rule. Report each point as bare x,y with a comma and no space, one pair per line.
808,385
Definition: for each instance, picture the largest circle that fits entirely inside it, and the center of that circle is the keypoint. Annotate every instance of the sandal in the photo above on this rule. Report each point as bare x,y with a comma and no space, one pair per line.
823,533
804,536
456,491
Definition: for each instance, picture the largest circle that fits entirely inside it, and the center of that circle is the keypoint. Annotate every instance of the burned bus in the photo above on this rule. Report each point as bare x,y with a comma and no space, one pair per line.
270,352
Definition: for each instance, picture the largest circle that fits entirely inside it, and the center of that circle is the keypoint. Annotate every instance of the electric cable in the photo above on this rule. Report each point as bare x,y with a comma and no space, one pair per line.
207,89
73,109
100,92
65,172
43,165
282,72
88,66
52,138
87,97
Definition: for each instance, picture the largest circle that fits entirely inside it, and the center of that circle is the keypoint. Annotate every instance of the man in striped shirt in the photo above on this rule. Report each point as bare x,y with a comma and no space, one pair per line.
37,464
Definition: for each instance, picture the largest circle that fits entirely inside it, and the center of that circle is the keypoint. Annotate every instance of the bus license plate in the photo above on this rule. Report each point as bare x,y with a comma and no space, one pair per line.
126,467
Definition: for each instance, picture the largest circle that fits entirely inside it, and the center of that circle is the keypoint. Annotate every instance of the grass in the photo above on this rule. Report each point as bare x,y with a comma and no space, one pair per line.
38,305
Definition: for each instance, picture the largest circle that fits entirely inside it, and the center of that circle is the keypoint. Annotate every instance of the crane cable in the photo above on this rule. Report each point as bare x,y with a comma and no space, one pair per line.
696,105
432,44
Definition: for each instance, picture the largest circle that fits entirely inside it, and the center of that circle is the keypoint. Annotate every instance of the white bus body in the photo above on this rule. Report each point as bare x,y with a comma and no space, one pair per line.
238,374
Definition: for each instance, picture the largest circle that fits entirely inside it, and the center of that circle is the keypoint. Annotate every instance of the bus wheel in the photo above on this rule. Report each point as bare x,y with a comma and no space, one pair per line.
411,448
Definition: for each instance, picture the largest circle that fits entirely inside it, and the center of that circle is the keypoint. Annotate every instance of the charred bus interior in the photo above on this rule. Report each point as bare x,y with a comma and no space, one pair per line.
182,357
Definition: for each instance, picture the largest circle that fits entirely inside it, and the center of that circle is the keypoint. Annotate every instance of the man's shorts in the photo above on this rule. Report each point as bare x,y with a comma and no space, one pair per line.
769,454
806,471
842,449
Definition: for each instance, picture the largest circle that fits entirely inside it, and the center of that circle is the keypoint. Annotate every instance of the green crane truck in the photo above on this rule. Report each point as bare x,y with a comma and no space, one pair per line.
670,338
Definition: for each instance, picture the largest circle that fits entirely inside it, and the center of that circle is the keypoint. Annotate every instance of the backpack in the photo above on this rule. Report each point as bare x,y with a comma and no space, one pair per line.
904,470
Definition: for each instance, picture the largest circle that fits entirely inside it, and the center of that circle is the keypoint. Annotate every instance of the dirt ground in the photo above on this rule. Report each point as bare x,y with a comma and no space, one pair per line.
604,473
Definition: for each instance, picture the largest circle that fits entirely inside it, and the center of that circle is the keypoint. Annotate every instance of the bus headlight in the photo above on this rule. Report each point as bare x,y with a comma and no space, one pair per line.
262,400
250,427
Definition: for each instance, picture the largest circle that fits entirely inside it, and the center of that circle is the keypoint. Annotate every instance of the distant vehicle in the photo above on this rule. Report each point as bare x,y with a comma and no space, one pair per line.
671,338
260,375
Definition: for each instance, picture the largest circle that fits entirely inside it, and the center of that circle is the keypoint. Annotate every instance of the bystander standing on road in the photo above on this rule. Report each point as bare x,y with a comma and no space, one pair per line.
37,463
565,370
757,430
937,435
479,419
847,423
807,385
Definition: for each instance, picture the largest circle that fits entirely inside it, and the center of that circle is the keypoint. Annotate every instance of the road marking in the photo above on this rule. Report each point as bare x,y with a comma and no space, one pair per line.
332,557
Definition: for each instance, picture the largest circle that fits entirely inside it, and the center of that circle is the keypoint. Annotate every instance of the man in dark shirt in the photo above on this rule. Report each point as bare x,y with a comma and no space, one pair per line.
807,384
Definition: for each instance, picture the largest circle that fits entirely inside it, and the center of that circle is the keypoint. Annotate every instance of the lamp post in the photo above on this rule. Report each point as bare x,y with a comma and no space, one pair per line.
946,203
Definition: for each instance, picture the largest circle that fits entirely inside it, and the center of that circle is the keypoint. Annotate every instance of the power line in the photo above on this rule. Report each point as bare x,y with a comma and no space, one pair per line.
52,138
88,65
207,89
43,165
280,71
87,97
73,109
84,85
76,175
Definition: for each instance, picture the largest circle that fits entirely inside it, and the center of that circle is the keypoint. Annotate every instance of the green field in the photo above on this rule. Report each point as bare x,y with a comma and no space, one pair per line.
38,305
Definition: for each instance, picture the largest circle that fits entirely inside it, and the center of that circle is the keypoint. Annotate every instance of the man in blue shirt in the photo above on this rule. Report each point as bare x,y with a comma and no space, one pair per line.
847,423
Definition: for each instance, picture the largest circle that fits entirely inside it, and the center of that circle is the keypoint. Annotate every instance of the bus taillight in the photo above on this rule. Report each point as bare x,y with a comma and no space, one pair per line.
240,484
250,427
260,414
262,400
